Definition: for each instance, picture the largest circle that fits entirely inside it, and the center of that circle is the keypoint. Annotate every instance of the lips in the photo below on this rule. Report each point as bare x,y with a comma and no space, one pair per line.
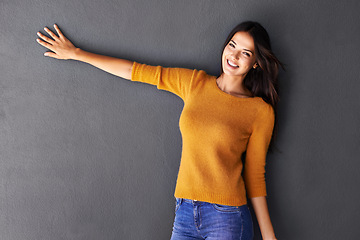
232,64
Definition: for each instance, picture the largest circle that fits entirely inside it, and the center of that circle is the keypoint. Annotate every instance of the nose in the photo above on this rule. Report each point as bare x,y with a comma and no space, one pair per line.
236,55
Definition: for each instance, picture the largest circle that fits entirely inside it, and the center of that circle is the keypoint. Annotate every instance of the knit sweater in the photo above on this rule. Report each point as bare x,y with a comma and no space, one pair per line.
216,129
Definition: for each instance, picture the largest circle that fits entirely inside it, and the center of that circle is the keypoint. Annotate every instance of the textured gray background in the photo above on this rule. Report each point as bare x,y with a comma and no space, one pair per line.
87,155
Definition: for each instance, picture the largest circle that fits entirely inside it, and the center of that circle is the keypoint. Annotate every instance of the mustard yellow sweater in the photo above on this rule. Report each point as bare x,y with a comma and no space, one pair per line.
216,128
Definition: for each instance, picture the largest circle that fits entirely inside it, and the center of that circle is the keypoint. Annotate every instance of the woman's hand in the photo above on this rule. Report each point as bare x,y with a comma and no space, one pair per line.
61,46
63,49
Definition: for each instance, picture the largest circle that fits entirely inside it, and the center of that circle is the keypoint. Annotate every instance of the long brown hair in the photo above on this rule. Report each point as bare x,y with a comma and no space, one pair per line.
263,80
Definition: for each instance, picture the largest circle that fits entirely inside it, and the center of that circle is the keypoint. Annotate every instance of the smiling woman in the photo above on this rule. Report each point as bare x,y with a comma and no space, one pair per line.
223,118
238,56
237,59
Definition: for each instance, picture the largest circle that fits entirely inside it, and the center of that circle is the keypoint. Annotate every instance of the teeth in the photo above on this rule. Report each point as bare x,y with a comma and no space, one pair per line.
233,65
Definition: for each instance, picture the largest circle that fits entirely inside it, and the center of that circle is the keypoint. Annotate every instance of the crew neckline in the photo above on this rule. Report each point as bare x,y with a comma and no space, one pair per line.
229,95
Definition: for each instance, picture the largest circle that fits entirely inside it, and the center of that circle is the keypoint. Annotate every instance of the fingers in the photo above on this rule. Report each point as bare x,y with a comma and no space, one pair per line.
48,42
45,38
51,54
61,35
60,46
45,44
53,35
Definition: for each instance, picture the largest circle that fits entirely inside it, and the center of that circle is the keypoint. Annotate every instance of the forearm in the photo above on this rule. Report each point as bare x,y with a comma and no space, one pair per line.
116,66
262,215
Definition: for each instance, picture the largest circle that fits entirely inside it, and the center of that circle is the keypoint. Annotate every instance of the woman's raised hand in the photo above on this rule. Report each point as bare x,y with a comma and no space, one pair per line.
61,46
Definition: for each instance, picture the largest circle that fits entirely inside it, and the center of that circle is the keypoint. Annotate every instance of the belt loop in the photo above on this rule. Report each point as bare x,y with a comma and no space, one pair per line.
179,200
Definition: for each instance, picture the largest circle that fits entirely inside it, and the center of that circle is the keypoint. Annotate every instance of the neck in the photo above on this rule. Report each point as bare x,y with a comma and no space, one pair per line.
233,85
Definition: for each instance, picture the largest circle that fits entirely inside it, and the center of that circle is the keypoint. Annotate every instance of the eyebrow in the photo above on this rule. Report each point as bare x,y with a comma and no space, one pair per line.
244,48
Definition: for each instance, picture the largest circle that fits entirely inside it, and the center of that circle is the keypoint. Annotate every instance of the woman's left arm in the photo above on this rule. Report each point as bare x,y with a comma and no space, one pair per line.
262,215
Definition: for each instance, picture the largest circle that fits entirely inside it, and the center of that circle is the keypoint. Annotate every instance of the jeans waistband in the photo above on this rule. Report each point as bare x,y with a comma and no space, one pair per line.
189,200
196,202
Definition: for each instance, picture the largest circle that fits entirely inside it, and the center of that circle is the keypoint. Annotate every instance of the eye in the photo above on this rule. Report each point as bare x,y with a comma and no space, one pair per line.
232,45
246,54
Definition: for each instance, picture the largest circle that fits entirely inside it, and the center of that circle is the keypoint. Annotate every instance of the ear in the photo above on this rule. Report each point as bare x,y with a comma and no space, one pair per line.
255,65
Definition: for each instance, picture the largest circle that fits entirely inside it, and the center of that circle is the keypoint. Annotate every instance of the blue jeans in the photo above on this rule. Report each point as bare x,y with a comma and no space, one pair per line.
203,220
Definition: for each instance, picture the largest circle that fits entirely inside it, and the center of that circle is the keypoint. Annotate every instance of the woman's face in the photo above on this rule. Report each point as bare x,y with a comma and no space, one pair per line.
239,55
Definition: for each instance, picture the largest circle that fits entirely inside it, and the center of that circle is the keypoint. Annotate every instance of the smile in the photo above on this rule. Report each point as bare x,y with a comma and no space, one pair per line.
232,64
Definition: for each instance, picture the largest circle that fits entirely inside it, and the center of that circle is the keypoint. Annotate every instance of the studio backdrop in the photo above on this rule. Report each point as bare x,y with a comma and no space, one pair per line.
87,155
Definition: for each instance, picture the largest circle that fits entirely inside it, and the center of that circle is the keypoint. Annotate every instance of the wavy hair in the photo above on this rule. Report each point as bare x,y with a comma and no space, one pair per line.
263,80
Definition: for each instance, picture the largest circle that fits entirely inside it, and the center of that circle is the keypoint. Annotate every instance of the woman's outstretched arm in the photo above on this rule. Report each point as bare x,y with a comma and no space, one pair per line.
262,215
62,48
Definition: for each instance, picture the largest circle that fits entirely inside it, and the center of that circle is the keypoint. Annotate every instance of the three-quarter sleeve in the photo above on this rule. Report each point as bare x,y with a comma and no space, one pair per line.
175,80
254,172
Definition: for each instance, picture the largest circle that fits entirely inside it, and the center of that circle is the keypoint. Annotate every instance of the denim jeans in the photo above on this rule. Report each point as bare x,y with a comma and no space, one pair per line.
203,220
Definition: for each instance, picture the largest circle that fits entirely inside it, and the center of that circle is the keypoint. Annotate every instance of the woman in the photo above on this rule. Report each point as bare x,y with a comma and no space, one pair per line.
223,118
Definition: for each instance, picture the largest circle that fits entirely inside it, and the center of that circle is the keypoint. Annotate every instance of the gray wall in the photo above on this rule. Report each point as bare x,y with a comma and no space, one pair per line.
87,155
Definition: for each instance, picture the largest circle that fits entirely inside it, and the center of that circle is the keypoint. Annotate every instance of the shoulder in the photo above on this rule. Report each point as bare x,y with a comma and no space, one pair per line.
264,105
265,111
201,75
193,72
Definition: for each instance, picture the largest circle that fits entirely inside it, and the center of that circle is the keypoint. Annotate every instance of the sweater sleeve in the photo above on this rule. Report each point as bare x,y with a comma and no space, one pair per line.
175,80
254,172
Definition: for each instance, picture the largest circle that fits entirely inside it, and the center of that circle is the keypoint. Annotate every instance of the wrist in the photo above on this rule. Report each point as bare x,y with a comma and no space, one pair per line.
77,54
269,236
